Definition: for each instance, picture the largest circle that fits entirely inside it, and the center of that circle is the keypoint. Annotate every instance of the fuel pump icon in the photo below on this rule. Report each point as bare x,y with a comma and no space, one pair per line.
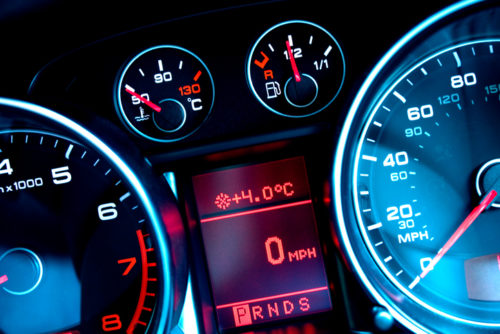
273,89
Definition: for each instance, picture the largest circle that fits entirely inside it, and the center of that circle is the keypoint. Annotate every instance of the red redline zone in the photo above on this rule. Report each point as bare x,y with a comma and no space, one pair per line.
284,295
250,212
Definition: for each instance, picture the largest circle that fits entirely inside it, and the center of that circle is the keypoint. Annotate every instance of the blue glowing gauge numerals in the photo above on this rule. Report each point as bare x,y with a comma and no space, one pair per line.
296,69
425,179
165,93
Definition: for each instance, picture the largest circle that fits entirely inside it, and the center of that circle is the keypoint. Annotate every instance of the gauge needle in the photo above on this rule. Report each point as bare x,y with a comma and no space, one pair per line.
150,104
296,73
485,203
3,279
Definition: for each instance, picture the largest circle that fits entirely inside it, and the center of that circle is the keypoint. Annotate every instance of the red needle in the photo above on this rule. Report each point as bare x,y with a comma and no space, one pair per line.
485,202
3,279
142,99
296,73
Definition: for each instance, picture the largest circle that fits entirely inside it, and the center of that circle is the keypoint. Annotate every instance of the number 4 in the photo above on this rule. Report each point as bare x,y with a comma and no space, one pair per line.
5,167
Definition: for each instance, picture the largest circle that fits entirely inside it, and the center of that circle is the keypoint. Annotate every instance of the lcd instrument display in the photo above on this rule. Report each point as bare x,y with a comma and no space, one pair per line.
261,243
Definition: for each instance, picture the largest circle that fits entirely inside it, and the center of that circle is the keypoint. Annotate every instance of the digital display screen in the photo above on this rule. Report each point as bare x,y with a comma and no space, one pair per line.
261,243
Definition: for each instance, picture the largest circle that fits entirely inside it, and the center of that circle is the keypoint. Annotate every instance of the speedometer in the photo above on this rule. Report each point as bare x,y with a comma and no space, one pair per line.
424,185
416,166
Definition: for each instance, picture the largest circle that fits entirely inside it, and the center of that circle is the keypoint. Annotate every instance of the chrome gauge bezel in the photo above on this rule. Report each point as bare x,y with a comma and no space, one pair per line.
38,119
419,45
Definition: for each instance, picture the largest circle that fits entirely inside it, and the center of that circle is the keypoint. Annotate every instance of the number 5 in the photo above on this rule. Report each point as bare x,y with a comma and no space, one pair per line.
61,175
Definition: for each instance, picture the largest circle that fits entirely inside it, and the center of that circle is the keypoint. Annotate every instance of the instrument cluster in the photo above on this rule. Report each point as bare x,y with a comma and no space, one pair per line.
267,167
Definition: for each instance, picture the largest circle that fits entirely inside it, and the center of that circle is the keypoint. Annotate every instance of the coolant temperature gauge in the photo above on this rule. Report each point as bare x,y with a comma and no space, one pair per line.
165,93
296,69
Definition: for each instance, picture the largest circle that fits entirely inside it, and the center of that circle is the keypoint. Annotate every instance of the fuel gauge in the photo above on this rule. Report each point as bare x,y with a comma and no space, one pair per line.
165,93
296,69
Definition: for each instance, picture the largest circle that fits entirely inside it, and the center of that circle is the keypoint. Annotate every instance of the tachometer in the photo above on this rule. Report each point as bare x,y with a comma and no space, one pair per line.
81,246
424,189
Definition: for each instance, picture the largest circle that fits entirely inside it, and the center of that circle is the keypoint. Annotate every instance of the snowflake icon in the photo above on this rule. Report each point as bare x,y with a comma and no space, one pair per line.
223,201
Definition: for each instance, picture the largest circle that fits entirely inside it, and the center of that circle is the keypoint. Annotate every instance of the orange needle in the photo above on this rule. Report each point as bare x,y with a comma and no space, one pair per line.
485,202
142,99
3,279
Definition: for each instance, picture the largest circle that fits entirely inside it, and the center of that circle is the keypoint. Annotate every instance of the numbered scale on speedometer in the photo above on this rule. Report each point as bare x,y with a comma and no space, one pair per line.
165,93
426,183
76,249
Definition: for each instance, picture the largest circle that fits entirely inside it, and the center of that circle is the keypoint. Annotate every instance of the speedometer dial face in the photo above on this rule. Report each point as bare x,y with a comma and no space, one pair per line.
76,252
426,179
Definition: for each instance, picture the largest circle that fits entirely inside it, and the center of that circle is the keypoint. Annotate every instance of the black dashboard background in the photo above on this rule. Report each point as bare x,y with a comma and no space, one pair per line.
67,55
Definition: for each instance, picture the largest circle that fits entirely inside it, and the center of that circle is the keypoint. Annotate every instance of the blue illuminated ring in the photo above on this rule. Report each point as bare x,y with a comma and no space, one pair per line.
38,264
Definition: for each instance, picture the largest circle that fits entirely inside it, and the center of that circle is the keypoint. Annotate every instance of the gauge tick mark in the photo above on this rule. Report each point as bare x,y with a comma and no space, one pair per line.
457,59
328,50
197,76
369,158
374,226
399,96
414,283
124,196
68,151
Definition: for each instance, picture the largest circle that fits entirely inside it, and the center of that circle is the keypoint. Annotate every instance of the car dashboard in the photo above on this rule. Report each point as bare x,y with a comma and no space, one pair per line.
250,167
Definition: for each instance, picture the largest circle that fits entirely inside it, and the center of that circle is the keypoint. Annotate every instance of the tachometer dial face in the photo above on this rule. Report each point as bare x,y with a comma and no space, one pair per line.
426,183
296,69
76,251
165,93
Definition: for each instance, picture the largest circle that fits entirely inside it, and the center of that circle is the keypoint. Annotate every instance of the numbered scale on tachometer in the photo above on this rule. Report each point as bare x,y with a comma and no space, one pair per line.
296,69
165,93
77,252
